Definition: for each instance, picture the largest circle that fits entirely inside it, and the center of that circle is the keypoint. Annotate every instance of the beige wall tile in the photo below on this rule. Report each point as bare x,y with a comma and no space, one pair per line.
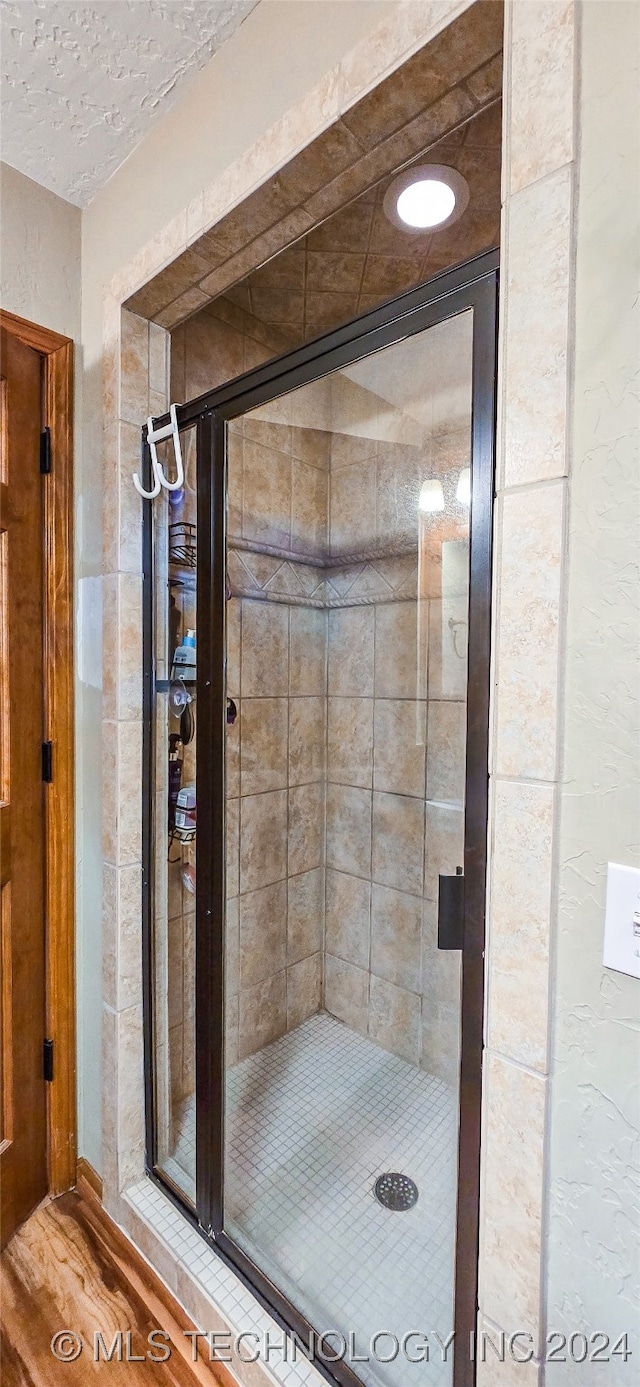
309,501
215,351
174,891
129,646
130,1109
349,830
304,990
263,1014
446,751
110,646
159,347
268,433
110,934
400,474
346,993
265,649
129,903
444,845
175,990
263,744
124,803
232,750
494,1345
266,495
231,1018
124,513
312,446
396,658
134,384
519,921
441,968
398,839
348,450
350,741
306,740
399,746
235,470
536,331
351,652
440,1041
308,651
232,948
233,617
353,507
394,1019
263,933
511,1213
263,839
541,89
109,790
527,632
305,914
396,935
306,828
233,846
348,905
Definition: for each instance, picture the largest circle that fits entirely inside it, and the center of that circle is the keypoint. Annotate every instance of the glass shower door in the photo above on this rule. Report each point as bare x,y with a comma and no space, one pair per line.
342,499
348,505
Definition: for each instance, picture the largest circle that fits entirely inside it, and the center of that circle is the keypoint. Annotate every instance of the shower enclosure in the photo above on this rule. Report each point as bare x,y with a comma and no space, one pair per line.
316,646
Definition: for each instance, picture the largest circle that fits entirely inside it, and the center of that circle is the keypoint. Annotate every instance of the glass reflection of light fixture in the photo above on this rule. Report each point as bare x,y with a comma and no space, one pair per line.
463,493
431,496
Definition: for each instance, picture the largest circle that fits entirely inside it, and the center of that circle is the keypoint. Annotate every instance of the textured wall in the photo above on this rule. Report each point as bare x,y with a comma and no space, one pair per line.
39,254
594,1263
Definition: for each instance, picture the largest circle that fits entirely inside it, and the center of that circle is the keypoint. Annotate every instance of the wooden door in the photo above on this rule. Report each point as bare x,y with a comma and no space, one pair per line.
23,1109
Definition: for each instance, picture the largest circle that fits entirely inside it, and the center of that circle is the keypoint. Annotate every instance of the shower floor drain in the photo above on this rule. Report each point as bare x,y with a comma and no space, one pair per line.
395,1191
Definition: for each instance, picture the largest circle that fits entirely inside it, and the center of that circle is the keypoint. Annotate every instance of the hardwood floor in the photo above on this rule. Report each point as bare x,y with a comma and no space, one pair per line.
70,1268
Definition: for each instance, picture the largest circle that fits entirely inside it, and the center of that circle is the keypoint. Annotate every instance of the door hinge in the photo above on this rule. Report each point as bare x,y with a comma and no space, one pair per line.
45,451
47,762
47,1060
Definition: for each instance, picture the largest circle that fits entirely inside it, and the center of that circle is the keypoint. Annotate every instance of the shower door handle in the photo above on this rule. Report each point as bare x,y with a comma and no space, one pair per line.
451,911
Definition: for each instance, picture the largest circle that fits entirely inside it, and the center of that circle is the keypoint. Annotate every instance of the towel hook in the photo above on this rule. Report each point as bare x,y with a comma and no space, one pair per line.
160,479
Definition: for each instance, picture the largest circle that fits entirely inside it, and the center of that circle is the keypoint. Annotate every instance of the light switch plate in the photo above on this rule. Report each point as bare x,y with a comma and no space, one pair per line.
622,920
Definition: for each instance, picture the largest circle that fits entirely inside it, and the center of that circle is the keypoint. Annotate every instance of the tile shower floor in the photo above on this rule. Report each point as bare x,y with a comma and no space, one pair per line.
312,1120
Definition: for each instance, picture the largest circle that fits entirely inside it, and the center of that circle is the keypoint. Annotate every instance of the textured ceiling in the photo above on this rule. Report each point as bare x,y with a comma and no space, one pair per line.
82,83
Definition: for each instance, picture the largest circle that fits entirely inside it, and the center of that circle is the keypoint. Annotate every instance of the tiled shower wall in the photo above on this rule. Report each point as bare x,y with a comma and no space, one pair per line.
336,760
395,750
276,677
276,674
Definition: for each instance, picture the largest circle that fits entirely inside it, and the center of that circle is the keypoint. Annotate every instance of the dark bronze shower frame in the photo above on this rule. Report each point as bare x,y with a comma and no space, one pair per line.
473,285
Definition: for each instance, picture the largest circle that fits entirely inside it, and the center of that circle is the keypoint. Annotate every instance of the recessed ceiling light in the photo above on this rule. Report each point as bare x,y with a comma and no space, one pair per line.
426,203
426,197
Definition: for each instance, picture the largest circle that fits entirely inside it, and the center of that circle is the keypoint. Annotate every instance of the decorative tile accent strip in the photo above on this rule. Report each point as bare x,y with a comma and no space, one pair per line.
265,574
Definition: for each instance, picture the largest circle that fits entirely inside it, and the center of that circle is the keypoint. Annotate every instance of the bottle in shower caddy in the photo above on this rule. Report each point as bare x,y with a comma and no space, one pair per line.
184,660
175,777
186,814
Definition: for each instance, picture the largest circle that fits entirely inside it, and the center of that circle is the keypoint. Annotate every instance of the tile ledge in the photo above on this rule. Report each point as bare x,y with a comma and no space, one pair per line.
230,1299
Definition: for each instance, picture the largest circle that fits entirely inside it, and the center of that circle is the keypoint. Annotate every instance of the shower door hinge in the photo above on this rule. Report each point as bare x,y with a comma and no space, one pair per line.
47,1061
47,762
45,452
